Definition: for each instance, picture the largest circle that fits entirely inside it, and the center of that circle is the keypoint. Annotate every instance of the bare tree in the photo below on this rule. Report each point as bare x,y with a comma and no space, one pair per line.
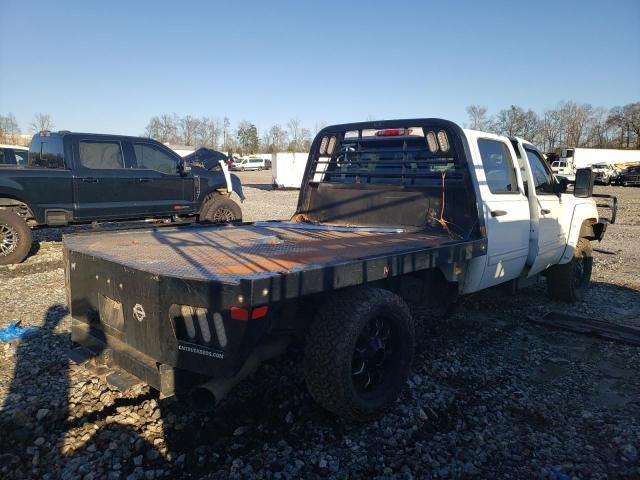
478,117
189,127
275,139
208,132
304,142
41,121
319,126
517,122
294,126
551,129
9,130
631,115
226,124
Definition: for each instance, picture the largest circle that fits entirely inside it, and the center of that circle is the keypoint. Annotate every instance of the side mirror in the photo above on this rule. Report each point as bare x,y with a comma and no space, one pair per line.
583,187
560,185
184,167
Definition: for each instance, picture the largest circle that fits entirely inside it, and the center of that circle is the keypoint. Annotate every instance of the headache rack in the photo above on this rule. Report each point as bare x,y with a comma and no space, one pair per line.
405,157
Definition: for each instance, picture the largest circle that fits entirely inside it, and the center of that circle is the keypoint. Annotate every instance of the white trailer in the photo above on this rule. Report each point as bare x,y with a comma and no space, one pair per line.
571,159
288,169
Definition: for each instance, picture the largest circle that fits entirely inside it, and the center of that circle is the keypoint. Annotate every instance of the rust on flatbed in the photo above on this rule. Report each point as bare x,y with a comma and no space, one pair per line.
232,253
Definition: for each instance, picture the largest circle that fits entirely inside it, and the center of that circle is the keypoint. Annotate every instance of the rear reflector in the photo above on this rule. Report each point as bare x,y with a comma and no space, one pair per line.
242,314
238,313
259,312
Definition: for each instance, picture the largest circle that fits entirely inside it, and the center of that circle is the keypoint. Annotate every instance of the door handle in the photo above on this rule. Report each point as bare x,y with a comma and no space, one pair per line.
544,211
90,180
498,213
144,180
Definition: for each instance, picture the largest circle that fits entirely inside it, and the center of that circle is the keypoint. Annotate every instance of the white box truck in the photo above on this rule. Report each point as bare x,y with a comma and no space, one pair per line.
609,161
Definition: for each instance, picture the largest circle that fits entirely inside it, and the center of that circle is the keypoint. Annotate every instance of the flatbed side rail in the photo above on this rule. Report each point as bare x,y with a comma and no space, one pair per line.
610,203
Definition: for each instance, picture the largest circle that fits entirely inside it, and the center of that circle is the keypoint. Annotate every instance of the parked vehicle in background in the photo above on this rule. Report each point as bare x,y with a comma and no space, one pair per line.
604,173
249,164
572,159
13,155
389,212
85,177
629,177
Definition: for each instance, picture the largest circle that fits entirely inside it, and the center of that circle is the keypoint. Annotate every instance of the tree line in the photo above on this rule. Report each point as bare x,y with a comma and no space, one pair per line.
569,124
219,134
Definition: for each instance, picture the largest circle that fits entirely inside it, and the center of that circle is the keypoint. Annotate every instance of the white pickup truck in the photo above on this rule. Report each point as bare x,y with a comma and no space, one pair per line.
389,212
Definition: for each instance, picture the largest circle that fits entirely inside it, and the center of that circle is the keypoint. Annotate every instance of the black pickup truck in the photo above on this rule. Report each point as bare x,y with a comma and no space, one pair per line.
82,177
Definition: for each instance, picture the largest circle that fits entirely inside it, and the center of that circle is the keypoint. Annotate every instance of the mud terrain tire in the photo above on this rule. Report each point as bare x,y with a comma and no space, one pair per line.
359,334
15,238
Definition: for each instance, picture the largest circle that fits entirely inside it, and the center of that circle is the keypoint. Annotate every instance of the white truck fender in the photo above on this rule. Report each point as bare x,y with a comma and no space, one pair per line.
583,212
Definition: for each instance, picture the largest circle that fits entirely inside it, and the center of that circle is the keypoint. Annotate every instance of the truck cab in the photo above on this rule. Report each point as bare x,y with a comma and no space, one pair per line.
86,177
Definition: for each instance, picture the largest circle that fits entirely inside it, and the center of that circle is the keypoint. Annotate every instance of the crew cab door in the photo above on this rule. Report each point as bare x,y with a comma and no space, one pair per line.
163,189
506,210
548,235
104,187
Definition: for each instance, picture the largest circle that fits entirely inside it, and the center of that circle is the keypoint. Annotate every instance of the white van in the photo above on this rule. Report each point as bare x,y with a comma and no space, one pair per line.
249,164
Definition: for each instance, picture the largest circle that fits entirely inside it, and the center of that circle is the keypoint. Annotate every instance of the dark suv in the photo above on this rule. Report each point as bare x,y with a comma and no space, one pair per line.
85,177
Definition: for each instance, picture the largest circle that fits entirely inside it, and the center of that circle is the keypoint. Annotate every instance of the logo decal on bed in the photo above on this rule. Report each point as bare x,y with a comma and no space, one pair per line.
139,312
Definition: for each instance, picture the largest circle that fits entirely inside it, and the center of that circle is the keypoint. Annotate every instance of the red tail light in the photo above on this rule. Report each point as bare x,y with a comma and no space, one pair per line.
238,313
259,312
242,314
393,132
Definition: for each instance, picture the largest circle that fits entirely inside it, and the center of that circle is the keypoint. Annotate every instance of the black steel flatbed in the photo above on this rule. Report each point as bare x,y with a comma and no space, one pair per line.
286,262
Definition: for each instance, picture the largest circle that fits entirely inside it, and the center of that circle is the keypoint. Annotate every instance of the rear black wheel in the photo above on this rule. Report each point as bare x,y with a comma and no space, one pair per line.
570,281
359,351
15,238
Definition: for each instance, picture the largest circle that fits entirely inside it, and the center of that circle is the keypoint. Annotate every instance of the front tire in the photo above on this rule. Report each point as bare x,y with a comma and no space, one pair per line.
358,352
15,238
220,209
570,281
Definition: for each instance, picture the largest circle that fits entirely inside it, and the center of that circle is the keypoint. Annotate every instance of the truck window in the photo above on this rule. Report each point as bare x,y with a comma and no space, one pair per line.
151,157
498,166
101,155
46,152
21,156
542,178
6,158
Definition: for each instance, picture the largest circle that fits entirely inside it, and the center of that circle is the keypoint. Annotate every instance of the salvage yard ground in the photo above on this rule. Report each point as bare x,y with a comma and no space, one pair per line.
491,395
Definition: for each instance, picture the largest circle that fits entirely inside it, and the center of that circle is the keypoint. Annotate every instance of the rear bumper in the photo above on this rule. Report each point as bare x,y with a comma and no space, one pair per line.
109,352
129,319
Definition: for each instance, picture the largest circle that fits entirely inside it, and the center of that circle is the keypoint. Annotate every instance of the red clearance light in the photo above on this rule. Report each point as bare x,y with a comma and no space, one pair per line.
238,313
45,133
393,132
259,312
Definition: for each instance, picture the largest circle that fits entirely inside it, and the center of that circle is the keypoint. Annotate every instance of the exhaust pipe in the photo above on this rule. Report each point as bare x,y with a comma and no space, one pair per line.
208,395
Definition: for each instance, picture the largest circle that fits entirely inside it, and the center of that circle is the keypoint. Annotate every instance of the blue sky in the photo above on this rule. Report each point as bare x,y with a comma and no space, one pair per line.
110,66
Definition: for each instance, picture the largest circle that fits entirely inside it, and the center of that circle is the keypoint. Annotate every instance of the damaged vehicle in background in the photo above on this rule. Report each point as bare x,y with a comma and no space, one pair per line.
389,213
74,178
629,177
208,159
604,173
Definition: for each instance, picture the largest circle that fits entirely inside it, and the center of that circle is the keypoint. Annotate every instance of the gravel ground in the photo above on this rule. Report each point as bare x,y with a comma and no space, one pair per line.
491,394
